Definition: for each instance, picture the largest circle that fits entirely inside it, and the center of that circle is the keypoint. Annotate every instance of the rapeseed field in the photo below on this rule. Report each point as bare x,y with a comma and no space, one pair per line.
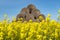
45,30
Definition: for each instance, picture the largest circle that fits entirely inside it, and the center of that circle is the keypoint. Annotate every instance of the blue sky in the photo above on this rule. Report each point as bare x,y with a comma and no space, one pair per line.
13,7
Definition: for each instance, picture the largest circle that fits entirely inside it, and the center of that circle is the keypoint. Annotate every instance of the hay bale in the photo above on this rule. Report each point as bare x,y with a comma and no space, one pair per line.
35,13
42,17
31,7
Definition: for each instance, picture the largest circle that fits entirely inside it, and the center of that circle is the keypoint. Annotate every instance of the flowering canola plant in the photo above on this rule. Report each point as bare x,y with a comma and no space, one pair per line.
45,30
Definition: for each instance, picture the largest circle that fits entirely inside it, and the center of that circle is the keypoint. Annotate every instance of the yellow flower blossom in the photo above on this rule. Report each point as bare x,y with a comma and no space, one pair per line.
45,31
59,11
49,15
50,39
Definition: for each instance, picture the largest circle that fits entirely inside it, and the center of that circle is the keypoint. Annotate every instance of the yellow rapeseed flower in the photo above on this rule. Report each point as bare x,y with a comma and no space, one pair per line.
49,15
59,11
50,39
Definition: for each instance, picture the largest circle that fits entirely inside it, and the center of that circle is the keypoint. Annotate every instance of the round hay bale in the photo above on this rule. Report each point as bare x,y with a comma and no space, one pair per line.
20,16
31,7
29,17
35,13
25,11
41,17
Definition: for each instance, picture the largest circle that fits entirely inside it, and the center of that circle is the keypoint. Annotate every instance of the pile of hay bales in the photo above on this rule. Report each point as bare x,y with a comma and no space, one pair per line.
30,13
